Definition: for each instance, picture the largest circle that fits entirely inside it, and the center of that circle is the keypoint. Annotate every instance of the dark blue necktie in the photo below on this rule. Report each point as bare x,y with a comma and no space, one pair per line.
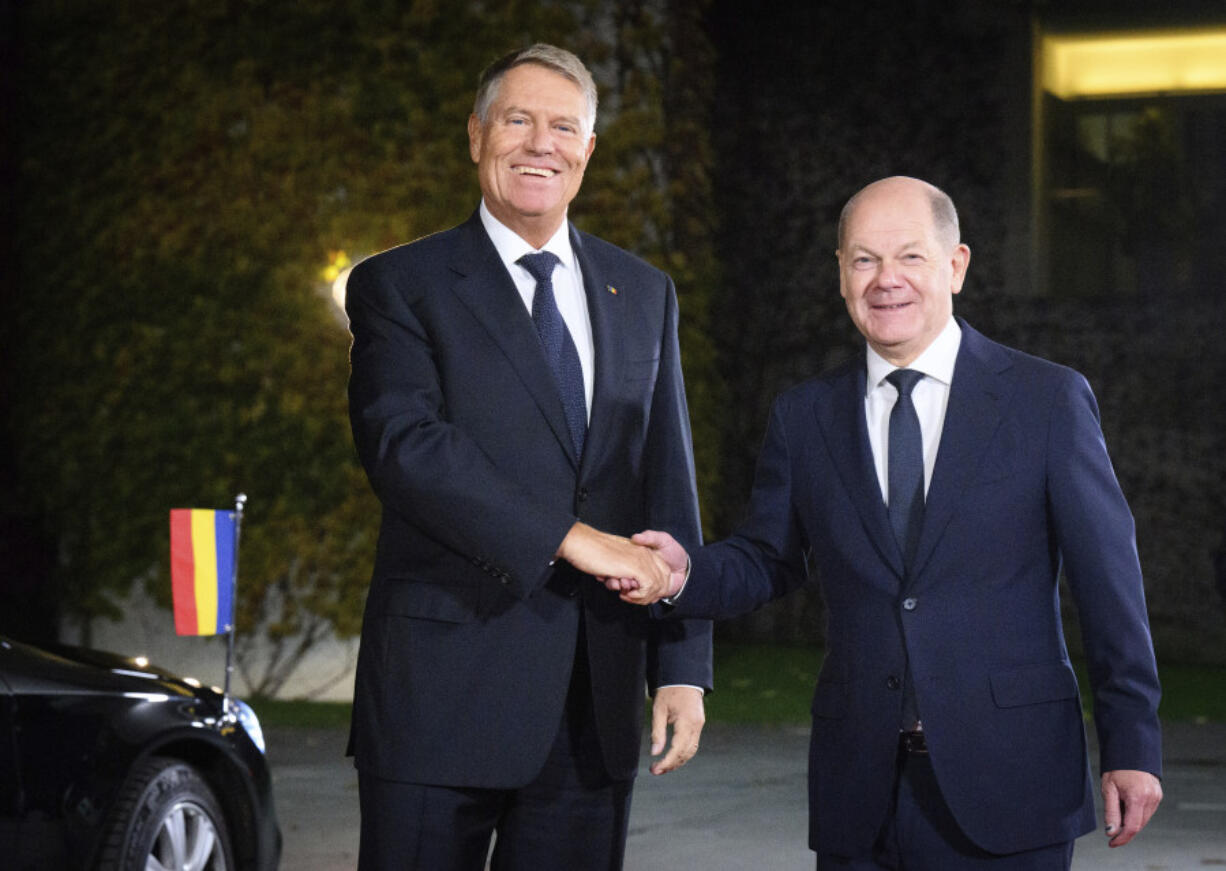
906,465
559,348
906,508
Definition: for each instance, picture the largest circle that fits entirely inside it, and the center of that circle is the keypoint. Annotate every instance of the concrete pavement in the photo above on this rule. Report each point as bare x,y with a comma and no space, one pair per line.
740,804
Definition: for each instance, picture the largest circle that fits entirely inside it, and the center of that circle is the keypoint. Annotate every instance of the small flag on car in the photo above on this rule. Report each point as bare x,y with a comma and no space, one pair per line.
203,557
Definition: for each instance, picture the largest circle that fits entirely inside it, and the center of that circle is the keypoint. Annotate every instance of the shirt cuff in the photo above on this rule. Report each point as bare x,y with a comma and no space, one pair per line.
672,600
691,686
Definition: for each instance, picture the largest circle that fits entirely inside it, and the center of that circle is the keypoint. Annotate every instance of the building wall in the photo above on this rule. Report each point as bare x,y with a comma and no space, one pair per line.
326,674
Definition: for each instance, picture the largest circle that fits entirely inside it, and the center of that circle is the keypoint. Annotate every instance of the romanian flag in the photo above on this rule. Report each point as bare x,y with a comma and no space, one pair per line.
202,569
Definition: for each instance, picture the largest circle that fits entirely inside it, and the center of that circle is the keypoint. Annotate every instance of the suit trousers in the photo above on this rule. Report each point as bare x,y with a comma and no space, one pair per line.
572,816
921,834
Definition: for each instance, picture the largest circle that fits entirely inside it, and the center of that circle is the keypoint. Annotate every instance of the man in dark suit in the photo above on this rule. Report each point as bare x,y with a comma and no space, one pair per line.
516,386
939,482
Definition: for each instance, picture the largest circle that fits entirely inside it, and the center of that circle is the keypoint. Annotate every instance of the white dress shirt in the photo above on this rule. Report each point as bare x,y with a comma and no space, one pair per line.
567,290
930,397
567,287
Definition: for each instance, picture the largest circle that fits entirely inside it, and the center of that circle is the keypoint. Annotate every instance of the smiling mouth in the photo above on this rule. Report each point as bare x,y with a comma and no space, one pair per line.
539,171
891,306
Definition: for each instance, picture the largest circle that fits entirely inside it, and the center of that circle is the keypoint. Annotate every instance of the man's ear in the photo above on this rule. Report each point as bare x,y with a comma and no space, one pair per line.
474,137
961,260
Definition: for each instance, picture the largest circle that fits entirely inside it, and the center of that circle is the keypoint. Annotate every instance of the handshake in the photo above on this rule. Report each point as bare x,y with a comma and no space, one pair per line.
642,569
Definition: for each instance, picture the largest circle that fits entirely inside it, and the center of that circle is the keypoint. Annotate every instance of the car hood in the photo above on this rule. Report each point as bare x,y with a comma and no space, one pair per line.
66,669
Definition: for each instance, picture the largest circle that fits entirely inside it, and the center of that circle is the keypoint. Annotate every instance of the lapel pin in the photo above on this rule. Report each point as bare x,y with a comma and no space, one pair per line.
611,289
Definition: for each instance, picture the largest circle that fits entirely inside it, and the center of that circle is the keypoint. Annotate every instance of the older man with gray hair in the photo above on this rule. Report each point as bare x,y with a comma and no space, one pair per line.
941,484
516,387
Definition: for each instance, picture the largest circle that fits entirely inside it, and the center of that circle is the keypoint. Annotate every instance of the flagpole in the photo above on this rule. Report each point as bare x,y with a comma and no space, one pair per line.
239,502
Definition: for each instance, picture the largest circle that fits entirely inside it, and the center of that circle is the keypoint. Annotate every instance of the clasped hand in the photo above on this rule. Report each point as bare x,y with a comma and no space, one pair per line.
643,569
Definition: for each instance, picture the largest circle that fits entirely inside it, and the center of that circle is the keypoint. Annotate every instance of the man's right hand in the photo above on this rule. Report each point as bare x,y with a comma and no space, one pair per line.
612,556
667,548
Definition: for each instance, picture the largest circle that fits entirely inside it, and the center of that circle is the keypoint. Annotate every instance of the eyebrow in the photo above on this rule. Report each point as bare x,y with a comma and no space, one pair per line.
914,243
857,248
568,119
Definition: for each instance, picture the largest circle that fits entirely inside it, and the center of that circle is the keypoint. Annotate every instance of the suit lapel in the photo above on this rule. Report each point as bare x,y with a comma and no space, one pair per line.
845,432
606,310
486,289
977,399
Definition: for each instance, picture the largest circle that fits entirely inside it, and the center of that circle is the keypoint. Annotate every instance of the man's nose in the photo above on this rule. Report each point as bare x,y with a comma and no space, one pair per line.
889,274
541,140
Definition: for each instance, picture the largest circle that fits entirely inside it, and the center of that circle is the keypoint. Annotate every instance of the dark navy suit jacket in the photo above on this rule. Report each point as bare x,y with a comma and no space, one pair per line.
469,633
1022,487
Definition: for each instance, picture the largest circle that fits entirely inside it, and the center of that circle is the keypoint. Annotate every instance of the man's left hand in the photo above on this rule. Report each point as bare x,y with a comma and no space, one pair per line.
1129,800
681,707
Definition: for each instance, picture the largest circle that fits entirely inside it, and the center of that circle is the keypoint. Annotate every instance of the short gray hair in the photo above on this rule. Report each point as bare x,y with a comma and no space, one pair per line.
944,213
559,60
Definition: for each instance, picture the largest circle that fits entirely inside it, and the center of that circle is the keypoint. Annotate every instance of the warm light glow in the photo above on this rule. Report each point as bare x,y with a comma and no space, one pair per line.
1135,64
335,277
338,262
338,287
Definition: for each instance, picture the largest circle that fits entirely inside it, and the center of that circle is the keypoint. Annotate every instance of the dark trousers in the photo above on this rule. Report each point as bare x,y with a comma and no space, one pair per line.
922,835
571,817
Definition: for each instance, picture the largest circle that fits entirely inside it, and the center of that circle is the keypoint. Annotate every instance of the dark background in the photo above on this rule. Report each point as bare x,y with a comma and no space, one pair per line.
823,97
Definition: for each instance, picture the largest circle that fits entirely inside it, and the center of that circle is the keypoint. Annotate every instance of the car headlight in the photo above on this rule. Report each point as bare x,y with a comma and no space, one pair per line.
249,721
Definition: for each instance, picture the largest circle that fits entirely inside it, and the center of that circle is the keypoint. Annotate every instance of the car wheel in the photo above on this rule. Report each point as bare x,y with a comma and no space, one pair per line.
166,817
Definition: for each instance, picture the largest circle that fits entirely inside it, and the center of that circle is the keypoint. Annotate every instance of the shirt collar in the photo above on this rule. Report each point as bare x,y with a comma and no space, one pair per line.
936,361
511,246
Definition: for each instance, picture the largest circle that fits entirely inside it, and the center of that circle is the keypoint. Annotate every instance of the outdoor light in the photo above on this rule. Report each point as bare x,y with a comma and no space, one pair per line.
1134,64
338,287
336,277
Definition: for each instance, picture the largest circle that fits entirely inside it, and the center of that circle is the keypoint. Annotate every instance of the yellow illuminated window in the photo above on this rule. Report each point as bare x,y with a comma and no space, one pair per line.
1120,65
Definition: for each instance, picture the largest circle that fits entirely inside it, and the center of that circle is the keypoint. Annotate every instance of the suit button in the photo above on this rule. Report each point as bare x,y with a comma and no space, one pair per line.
909,604
583,494
892,683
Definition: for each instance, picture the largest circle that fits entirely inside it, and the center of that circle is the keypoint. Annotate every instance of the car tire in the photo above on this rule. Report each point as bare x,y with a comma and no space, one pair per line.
166,816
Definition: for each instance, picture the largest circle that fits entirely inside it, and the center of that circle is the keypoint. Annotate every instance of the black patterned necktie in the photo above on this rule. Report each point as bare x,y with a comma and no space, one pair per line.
905,465
559,347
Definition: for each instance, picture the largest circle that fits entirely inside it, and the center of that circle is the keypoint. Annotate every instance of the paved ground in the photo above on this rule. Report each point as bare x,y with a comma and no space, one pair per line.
741,805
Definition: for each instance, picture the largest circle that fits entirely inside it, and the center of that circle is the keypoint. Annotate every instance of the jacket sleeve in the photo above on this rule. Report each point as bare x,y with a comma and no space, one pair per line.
765,558
420,465
1097,540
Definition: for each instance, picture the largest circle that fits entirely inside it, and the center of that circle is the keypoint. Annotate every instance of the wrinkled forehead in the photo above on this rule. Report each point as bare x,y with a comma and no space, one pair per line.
531,83
884,219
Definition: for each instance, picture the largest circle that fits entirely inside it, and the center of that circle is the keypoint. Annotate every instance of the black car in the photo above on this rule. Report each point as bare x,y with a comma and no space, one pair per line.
111,764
